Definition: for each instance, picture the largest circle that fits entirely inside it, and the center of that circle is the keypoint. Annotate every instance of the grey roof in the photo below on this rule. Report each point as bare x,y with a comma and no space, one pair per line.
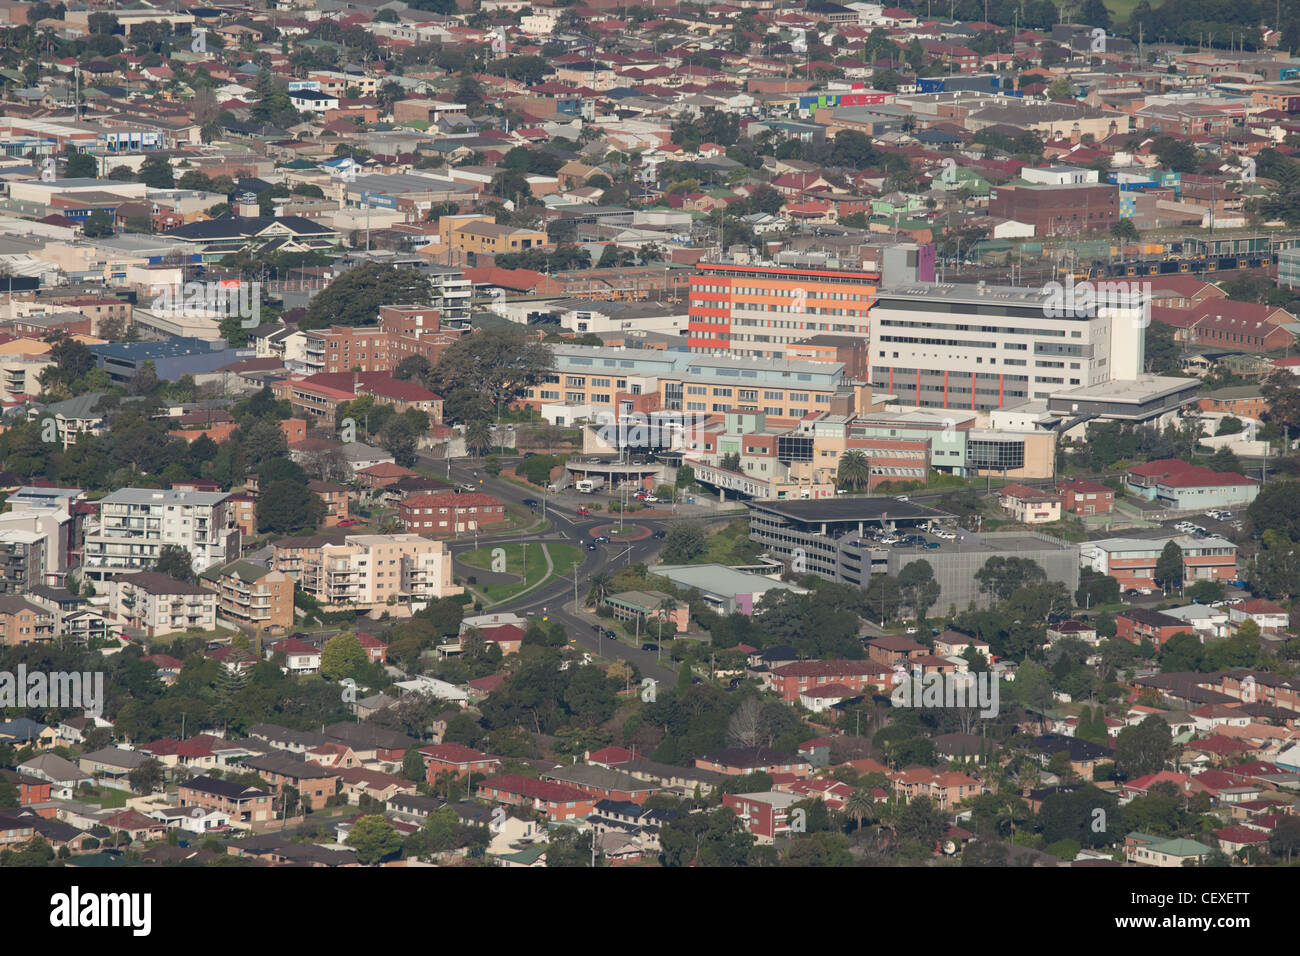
53,767
154,496
79,408
117,757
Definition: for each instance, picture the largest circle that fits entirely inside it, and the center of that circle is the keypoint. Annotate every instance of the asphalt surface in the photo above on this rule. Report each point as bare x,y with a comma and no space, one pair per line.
554,599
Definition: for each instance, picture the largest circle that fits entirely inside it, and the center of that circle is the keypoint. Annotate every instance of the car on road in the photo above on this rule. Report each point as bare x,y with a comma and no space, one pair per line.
531,502
584,512
649,647
590,546
348,522
603,539
530,454
610,635
660,535
650,500
902,498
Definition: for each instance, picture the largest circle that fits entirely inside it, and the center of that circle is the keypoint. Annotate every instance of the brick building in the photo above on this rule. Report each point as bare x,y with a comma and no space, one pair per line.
449,513
1055,210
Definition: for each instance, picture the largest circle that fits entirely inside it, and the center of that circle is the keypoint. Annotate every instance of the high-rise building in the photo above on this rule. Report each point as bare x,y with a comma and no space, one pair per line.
756,311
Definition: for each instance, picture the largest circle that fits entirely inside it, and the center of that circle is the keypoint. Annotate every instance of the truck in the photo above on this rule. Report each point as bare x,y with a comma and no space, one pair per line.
587,485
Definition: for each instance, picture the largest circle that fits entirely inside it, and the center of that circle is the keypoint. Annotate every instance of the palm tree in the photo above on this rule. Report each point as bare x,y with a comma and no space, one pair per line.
599,588
478,436
854,470
860,805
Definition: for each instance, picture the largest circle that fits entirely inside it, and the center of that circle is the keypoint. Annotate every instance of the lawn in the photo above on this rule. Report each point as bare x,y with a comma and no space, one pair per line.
731,545
1121,10
562,555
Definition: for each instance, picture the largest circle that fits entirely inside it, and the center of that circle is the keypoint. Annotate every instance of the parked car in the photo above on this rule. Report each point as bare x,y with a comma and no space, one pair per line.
649,647
650,500
584,512
932,544
348,522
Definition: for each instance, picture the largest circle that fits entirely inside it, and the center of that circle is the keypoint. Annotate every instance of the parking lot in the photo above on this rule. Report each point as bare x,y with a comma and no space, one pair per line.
1225,528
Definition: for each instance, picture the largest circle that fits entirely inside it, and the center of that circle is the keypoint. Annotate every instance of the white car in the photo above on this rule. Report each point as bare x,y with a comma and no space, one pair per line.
650,499
902,498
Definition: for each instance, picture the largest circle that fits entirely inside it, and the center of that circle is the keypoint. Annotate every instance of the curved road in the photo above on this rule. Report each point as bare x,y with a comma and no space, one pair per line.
554,598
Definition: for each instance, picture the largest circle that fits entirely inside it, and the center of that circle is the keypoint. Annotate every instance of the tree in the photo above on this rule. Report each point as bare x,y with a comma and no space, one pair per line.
1060,88
1124,230
342,656
175,561
478,436
683,543
354,297
286,507
919,588
1169,567
80,166
400,438
373,838
1143,749
98,225
1000,577
147,777
497,365
156,172
854,470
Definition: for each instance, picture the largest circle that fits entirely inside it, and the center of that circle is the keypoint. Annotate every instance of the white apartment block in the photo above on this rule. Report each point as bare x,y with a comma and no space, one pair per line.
371,570
135,523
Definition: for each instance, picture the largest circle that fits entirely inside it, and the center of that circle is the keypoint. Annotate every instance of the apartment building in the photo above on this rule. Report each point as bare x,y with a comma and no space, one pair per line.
1136,625
766,815
22,561
758,311
371,570
1132,561
336,500
135,523
244,805
252,596
449,513
24,622
980,348
856,677
157,604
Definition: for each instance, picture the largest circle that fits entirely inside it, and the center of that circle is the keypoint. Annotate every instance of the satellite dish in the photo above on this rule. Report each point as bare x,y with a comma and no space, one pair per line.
949,847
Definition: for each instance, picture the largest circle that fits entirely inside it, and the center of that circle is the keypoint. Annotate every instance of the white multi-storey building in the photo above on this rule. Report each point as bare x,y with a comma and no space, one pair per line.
135,523
977,348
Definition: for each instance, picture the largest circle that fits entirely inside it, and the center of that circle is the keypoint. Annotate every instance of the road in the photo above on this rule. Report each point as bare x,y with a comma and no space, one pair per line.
555,598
